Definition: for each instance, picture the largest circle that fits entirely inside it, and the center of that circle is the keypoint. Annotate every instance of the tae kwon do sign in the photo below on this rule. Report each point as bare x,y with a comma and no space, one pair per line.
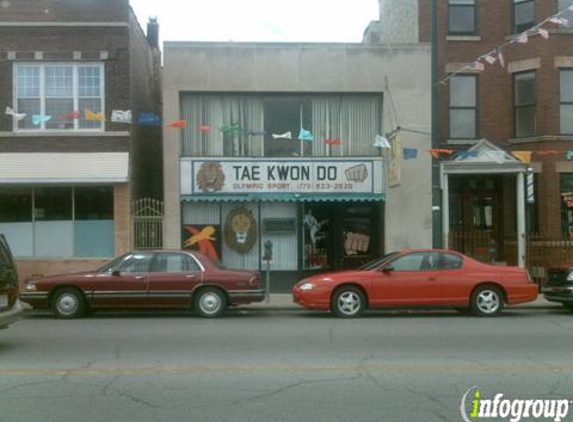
228,176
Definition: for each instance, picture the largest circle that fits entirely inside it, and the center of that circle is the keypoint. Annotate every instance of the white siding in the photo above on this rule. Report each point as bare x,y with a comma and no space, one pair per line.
64,167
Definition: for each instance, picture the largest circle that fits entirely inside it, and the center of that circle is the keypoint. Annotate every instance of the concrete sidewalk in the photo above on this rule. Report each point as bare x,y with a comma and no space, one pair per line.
285,301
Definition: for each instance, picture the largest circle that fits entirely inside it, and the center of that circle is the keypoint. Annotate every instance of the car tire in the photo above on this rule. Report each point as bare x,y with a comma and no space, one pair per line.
69,303
487,301
348,302
210,302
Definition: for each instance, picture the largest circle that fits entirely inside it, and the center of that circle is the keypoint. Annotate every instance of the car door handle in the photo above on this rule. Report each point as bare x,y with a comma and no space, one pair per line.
432,279
139,277
190,276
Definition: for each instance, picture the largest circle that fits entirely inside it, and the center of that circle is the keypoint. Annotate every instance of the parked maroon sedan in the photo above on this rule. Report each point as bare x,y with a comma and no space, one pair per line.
147,279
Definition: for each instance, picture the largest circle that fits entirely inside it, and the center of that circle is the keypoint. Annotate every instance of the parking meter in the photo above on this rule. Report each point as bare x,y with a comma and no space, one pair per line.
268,255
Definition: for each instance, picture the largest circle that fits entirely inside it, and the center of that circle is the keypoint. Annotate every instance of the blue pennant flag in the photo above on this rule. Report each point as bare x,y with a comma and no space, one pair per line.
305,135
149,119
410,153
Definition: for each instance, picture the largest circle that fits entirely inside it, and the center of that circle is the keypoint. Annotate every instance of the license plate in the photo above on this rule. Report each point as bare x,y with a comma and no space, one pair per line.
3,301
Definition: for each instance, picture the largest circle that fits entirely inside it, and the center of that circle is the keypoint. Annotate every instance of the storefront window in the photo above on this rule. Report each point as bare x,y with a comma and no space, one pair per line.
284,118
58,221
317,241
567,205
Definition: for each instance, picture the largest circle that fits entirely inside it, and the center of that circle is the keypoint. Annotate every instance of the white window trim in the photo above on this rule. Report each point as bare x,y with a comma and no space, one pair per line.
75,77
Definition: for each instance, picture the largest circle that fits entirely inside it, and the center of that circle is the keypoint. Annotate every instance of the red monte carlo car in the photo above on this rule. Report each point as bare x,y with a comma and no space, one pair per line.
418,278
147,279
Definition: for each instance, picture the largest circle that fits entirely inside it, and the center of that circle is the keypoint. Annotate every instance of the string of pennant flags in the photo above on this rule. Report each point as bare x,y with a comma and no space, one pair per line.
496,55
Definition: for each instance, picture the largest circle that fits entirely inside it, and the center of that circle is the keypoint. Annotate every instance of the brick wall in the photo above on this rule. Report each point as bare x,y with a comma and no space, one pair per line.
495,85
64,11
122,218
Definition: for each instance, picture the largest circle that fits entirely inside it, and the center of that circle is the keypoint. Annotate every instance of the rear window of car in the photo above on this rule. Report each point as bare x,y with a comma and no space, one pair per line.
450,261
5,257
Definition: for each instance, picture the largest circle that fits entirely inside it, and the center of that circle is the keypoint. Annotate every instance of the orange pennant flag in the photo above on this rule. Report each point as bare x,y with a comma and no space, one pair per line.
523,156
178,124
548,152
435,152
93,116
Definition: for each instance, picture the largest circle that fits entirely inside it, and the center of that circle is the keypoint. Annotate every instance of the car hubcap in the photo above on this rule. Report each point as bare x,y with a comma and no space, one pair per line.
348,303
488,301
210,303
67,304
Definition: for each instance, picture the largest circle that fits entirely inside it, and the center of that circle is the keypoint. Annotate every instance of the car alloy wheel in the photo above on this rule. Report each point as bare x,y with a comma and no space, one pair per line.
68,303
487,301
348,302
210,302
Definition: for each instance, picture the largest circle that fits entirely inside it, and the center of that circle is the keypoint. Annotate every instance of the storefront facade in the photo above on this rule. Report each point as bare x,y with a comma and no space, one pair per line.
289,158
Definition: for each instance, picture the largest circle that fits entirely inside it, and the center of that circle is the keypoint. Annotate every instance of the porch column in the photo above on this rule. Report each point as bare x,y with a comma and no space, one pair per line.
446,210
520,189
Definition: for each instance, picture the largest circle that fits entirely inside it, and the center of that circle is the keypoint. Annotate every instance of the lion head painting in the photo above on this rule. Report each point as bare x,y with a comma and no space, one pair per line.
210,177
240,230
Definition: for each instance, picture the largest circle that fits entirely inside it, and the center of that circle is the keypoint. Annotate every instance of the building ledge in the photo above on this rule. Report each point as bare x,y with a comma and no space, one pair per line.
67,134
462,141
471,38
544,138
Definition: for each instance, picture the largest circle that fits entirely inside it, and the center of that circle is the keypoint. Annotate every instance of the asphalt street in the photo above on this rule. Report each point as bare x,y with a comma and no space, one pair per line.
278,365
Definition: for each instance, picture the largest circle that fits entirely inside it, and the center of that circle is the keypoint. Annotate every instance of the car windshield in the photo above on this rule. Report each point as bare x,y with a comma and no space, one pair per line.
113,264
372,265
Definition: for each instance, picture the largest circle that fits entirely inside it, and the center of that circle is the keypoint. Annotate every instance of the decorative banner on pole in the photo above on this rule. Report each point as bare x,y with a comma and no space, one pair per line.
256,133
73,115
381,142
38,119
92,116
17,116
178,124
286,135
230,129
410,153
121,116
305,135
395,163
336,142
147,118
436,152
523,156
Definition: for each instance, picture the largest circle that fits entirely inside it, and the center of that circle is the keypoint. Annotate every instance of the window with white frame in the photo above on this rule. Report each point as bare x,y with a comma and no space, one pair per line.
57,96
275,125
462,17
566,101
523,15
463,107
525,104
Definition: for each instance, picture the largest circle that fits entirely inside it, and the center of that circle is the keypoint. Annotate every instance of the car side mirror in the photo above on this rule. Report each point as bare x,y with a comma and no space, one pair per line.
388,269
116,273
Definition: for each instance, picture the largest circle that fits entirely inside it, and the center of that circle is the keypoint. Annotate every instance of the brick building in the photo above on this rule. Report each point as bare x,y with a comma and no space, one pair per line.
489,112
67,182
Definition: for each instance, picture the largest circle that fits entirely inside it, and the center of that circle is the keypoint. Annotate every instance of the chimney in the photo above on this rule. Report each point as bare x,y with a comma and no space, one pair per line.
153,32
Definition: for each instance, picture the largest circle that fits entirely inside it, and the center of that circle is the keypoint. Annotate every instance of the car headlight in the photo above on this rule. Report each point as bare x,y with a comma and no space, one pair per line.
30,287
570,276
306,286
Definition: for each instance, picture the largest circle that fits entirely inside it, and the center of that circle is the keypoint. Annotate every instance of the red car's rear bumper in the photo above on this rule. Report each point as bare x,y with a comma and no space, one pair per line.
522,293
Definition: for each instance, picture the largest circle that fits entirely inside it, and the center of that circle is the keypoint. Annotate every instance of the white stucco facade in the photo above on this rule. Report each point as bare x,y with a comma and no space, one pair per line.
399,73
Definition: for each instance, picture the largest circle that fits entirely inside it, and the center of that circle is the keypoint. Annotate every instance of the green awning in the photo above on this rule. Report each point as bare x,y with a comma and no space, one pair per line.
284,197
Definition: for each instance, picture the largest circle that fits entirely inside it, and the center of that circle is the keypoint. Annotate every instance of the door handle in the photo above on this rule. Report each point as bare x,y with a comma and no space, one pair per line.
139,277
432,279
190,276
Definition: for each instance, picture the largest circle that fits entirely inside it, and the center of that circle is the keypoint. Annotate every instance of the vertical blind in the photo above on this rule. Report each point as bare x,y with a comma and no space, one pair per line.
234,125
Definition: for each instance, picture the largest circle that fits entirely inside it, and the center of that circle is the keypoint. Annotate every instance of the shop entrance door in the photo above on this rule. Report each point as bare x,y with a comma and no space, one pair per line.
475,219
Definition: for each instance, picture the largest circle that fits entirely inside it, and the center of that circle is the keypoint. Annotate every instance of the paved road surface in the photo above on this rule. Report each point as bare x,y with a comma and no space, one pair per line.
282,365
